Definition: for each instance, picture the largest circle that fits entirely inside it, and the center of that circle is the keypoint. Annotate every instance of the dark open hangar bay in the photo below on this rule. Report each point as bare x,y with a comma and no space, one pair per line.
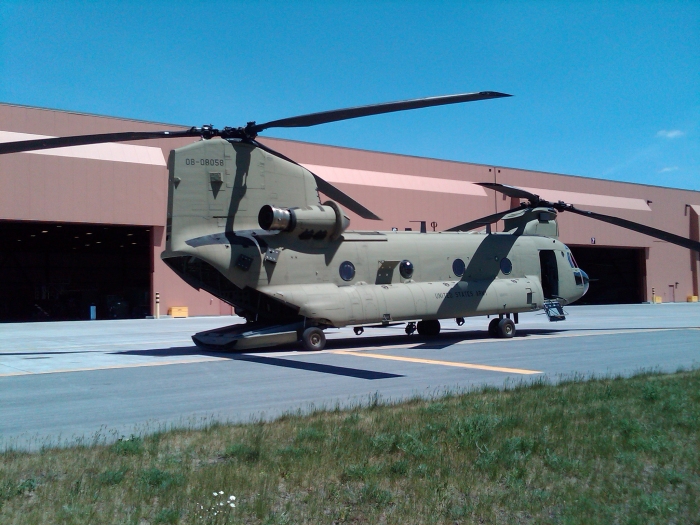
117,189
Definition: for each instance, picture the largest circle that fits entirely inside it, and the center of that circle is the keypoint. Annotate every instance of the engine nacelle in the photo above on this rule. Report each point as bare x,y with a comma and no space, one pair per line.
312,222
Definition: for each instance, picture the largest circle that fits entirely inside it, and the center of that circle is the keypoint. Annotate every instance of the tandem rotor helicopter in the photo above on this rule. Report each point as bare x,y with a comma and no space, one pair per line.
246,224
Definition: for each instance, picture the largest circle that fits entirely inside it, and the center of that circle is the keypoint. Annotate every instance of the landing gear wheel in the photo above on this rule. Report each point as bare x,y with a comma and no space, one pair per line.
358,330
429,328
313,338
493,327
410,328
459,321
506,328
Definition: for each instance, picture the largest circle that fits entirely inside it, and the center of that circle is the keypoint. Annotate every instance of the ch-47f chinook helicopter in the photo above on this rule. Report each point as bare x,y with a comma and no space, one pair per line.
247,225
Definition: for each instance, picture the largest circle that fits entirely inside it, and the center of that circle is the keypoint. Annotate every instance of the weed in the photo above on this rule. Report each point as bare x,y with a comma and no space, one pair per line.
112,477
399,468
371,493
413,446
358,472
27,485
155,478
653,504
243,452
384,443
560,463
310,434
169,515
435,408
650,392
470,430
130,446
294,452
673,477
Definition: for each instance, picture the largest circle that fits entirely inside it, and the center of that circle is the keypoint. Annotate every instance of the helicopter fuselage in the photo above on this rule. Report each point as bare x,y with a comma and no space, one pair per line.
249,228
375,277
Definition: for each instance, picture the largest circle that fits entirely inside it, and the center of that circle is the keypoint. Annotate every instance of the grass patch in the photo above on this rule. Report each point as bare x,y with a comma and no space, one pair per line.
603,451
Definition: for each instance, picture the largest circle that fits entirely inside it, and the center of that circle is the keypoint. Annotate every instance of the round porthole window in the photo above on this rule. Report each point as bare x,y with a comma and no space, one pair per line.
458,267
347,271
506,265
406,269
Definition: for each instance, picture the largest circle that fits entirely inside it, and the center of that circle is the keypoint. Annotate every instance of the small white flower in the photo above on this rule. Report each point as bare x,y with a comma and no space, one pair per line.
221,492
232,505
221,504
232,498
215,494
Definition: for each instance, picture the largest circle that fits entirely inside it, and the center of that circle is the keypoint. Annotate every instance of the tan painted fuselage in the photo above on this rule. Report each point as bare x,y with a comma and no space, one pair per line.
215,241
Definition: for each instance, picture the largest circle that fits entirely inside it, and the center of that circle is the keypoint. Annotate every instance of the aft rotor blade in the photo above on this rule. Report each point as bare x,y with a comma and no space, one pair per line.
344,199
511,191
335,115
82,140
327,188
641,228
484,221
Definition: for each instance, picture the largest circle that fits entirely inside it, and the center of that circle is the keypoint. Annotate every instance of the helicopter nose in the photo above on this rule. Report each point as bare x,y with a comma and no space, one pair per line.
586,281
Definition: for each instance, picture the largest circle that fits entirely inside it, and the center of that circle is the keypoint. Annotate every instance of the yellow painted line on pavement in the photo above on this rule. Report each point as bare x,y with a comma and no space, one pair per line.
442,363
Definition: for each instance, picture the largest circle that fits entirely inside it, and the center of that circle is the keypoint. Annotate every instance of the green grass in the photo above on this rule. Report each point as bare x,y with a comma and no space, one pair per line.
605,451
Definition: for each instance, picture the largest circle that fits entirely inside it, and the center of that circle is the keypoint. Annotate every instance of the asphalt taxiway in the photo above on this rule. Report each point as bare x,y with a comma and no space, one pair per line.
65,382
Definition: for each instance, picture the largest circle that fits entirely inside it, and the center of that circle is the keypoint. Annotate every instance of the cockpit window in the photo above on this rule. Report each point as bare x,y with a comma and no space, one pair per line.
572,261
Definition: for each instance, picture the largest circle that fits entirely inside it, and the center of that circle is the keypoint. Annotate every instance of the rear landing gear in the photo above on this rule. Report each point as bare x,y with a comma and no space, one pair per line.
429,328
410,328
313,338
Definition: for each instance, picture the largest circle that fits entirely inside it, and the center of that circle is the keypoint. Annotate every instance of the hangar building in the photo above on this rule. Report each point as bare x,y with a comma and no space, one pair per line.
82,228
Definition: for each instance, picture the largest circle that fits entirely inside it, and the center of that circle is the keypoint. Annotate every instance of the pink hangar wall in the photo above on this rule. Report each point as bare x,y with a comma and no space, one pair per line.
126,184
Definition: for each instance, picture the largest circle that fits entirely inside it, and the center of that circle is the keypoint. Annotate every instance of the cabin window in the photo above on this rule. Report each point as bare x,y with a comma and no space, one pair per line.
406,269
579,278
347,271
458,267
506,265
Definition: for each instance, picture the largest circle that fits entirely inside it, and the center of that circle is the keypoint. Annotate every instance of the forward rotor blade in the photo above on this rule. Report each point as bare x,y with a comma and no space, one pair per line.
637,227
483,221
511,191
324,117
82,140
327,188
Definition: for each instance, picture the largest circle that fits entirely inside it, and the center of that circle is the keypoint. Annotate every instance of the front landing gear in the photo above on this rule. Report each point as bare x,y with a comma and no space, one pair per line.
410,328
493,327
502,328
313,338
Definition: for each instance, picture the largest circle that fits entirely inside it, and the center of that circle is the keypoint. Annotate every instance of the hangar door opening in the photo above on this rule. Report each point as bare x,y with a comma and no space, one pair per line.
617,274
59,272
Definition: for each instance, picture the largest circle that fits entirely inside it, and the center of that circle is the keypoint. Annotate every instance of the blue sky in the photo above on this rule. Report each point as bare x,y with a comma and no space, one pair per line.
601,89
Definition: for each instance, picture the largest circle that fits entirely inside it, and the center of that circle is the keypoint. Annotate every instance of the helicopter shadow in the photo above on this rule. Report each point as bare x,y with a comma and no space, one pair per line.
445,340
249,356
417,342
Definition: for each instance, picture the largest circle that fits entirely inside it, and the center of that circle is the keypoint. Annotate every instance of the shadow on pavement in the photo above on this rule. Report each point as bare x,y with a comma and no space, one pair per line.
444,340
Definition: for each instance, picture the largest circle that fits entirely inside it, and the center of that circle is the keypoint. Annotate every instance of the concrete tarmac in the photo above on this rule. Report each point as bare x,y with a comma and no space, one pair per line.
62,383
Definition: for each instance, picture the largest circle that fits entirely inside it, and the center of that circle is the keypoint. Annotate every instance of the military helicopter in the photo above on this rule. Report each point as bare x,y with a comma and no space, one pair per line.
247,224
